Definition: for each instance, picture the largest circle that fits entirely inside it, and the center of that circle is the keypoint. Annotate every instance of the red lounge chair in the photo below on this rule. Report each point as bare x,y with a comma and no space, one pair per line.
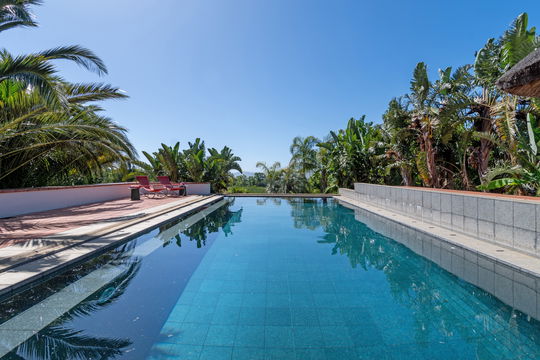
148,188
165,181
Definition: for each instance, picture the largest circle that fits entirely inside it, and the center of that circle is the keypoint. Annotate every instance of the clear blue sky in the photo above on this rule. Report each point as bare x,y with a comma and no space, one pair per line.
252,74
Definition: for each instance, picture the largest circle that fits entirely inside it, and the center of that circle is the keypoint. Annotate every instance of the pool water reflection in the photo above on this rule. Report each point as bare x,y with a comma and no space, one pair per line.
272,279
114,305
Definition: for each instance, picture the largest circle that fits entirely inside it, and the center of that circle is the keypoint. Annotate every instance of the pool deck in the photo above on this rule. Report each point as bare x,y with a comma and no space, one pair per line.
21,229
34,245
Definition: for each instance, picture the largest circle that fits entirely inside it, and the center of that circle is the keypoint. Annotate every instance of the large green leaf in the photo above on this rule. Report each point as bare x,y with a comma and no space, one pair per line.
500,183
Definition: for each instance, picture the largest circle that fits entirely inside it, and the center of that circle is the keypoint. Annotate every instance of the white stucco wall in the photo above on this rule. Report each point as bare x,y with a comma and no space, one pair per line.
197,188
19,202
23,201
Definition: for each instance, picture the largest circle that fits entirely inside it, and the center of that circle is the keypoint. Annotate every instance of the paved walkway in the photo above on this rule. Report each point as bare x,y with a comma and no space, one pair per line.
25,237
20,229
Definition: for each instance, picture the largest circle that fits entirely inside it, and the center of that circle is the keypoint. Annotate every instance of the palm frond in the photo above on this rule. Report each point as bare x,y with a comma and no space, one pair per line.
78,54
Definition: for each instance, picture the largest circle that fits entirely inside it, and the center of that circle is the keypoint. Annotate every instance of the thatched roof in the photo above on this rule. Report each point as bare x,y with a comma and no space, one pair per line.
524,77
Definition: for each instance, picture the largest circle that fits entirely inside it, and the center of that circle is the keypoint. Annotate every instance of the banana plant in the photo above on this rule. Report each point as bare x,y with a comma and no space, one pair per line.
353,152
194,159
399,140
522,172
167,160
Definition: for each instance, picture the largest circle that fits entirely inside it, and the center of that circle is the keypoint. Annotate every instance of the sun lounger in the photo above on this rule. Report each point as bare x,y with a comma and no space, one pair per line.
149,189
171,188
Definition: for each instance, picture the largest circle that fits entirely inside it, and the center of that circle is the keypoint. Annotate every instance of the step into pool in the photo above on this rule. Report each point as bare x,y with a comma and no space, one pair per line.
262,278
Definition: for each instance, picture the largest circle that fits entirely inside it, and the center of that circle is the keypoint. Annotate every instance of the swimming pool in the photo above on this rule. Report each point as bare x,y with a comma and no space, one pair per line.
263,278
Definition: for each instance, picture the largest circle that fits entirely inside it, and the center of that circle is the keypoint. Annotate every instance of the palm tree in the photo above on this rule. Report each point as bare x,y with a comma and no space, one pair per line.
292,181
455,132
40,144
39,73
16,13
354,152
193,164
59,341
227,158
323,178
37,70
272,174
304,154
48,131
219,167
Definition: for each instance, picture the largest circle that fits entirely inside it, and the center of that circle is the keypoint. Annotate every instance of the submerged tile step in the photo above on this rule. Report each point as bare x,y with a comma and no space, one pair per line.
21,327
499,253
24,274
511,276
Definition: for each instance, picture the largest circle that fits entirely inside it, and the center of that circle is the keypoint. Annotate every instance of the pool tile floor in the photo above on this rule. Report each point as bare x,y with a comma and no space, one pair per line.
261,295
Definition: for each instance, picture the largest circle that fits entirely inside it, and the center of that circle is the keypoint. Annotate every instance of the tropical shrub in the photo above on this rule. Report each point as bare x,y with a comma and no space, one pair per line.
194,163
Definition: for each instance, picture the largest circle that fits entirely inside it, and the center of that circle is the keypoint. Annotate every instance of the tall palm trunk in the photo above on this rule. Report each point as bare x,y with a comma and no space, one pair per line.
427,147
430,161
406,175
484,152
484,125
464,174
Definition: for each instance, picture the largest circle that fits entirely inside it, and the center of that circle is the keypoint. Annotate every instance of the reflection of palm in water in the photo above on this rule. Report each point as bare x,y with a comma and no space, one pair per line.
433,296
59,342
263,201
235,218
222,218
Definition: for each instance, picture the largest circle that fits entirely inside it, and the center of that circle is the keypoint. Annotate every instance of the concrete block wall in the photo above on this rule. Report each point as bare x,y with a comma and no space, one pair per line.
508,221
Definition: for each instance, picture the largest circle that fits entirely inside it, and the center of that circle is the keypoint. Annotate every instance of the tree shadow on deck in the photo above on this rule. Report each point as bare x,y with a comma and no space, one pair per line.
29,227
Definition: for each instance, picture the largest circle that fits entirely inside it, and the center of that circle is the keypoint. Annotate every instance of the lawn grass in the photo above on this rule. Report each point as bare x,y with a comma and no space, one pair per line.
246,190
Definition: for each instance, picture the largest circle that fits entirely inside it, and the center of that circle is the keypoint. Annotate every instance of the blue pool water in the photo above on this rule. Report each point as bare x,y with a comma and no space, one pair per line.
260,278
